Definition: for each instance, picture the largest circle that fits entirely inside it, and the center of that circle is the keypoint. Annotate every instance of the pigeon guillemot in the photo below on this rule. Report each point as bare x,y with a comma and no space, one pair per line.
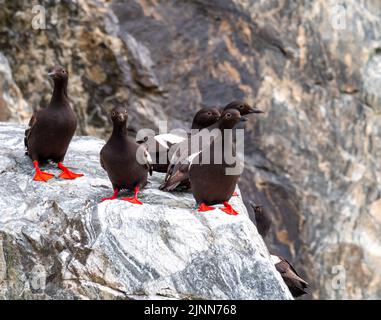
210,183
126,162
177,173
51,130
160,145
294,282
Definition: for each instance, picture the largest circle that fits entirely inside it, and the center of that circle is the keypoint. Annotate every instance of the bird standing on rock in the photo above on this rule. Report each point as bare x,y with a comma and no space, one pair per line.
51,130
126,162
210,183
159,146
177,173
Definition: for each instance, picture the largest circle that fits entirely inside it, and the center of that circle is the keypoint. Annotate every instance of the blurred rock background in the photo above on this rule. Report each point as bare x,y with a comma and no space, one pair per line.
313,66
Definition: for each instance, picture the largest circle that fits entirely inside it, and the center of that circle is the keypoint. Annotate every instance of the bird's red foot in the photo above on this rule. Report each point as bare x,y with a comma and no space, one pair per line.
203,207
134,199
235,194
67,174
41,175
229,209
113,197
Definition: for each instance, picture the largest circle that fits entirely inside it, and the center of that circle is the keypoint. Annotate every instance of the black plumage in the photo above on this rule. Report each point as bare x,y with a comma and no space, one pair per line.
294,282
177,173
126,162
210,183
51,130
263,219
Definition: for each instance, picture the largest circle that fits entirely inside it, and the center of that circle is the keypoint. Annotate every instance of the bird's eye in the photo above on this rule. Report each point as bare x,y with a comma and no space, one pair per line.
228,115
209,113
113,113
241,106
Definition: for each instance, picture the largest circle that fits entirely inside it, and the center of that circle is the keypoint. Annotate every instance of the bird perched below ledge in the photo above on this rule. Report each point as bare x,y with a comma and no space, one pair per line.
262,219
126,162
51,130
294,282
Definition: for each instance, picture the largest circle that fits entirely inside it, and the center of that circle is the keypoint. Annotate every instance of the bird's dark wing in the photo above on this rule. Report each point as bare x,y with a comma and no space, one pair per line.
29,130
287,271
176,178
296,274
183,155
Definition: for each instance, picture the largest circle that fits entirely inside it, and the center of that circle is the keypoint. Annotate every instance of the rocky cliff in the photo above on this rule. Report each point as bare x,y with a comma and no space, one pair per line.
313,66
58,241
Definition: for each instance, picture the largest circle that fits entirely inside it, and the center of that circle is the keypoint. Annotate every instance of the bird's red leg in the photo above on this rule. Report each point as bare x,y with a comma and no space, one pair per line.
67,174
229,209
41,175
114,196
134,199
203,207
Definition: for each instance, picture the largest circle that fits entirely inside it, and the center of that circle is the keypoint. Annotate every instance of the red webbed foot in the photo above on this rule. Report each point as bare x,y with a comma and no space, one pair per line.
67,174
134,199
41,175
113,197
203,207
229,209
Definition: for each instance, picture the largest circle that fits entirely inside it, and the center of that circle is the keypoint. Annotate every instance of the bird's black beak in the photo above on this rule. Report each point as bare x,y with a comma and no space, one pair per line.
51,74
242,119
255,110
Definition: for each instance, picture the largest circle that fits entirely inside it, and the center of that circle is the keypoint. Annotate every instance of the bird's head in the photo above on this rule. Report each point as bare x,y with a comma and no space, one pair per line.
119,115
205,118
243,108
58,73
230,118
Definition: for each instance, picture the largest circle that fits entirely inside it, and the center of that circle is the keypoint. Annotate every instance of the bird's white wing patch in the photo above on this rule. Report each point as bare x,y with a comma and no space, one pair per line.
191,157
148,156
275,259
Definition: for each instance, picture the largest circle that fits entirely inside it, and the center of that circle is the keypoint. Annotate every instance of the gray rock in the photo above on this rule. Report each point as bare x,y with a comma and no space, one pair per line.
58,241
12,104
